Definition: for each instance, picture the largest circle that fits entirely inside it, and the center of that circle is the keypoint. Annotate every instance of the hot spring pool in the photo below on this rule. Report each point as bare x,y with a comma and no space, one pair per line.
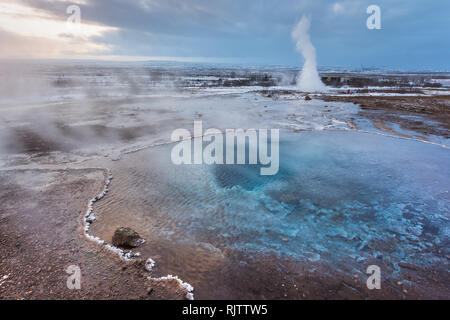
340,198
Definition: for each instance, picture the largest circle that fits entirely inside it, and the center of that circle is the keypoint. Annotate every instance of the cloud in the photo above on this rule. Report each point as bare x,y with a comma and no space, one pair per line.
255,30
338,8
347,7
21,46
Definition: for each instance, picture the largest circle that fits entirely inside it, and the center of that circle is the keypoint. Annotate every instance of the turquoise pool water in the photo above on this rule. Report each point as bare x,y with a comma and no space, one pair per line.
340,197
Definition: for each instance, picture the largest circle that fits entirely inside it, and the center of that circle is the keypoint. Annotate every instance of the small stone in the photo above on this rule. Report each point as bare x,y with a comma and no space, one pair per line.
149,291
399,283
356,276
18,244
308,98
126,238
405,291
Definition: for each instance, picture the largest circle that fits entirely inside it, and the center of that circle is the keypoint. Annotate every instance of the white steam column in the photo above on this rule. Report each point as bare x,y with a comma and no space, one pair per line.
308,80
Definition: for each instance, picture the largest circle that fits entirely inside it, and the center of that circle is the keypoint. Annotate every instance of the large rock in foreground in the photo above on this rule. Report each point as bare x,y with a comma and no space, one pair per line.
126,238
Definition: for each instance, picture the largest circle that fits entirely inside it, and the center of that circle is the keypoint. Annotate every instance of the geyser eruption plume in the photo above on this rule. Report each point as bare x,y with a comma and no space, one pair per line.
308,79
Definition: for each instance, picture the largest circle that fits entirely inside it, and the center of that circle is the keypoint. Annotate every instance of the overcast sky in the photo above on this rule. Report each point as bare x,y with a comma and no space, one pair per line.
415,34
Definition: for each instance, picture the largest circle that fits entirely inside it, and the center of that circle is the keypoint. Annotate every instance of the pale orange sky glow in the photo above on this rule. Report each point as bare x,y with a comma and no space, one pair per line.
27,32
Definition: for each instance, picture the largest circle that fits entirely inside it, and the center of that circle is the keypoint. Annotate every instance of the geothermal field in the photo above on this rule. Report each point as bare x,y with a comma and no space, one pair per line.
227,151
362,179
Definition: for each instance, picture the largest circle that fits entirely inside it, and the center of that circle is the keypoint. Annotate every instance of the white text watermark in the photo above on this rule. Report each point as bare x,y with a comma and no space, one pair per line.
227,148
374,20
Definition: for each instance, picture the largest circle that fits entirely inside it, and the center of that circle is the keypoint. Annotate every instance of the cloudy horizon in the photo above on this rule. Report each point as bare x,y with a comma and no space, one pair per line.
414,34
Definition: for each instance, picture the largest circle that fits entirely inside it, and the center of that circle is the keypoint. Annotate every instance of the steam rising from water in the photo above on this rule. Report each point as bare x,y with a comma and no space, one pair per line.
309,79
